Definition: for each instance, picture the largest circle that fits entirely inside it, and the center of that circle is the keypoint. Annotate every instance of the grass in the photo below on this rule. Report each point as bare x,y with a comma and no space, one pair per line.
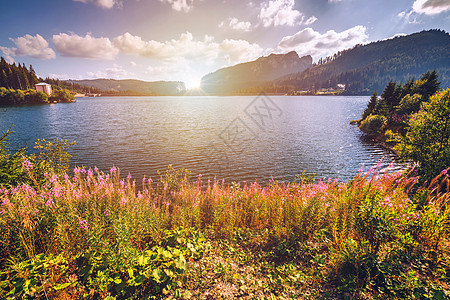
94,235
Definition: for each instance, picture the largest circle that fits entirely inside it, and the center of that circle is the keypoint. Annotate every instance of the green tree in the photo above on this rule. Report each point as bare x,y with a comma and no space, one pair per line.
427,85
428,138
370,106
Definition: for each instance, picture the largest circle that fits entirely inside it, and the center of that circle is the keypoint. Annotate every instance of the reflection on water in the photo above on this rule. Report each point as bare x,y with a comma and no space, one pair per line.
236,138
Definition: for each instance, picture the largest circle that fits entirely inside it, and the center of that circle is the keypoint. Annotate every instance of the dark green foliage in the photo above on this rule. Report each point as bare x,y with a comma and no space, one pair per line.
34,97
17,77
144,275
370,106
391,96
398,101
409,104
11,171
428,138
22,97
22,168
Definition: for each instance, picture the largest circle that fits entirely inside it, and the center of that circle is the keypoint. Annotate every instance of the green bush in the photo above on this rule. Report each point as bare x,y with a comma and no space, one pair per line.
409,104
373,125
62,95
35,97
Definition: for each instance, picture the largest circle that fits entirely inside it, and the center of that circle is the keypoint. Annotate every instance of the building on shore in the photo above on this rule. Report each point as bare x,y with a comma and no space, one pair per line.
44,87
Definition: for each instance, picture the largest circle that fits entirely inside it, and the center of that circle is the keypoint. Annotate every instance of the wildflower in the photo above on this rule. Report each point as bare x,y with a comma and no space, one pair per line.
123,201
49,202
54,178
107,212
129,176
113,169
27,165
83,224
361,169
444,171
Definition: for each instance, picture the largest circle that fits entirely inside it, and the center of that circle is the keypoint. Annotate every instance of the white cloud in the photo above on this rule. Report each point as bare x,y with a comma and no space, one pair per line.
308,41
236,51
133,64
278,13
100,3
74,45
397,35
180,5
114,72
431,7
235,24
59,76
187,48
27,45
8,54
334,1
310,20
409,17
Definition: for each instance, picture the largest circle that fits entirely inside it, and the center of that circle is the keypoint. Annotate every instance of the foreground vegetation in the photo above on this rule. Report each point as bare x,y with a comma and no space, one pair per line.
95,235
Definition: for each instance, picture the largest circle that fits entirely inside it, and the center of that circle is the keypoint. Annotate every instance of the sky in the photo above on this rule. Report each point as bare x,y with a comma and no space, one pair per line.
184,40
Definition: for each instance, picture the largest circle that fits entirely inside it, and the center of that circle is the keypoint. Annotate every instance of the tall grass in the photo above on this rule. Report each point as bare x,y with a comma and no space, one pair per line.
94,214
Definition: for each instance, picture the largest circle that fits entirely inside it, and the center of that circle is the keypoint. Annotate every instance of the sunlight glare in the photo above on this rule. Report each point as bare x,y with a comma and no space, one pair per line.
193,84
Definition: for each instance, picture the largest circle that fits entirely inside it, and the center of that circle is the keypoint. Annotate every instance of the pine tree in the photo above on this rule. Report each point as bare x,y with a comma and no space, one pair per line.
371,105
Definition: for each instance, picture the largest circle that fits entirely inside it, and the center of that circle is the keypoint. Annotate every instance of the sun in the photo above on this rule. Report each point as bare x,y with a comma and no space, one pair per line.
193,84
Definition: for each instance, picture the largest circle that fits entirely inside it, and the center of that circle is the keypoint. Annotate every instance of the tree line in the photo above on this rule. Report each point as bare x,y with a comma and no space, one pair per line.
17,86
415,118
14,76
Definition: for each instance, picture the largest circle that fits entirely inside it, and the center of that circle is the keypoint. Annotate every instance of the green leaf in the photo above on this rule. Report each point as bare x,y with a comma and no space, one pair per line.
62,286
158,275
117,280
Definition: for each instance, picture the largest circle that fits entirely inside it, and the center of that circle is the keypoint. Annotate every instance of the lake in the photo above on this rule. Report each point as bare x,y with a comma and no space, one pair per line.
242,138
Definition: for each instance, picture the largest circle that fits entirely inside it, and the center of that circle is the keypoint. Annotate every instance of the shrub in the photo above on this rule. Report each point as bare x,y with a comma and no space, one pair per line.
62,95
373,125
409,104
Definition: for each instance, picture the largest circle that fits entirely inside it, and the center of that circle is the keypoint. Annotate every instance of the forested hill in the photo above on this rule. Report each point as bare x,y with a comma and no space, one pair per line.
109,86
242,77
366,68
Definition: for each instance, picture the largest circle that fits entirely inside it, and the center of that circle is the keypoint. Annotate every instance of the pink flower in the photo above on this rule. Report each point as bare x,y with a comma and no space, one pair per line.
83,224
123,201
27,165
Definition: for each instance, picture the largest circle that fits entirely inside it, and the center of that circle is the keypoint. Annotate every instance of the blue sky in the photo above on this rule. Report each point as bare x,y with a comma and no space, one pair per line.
186,39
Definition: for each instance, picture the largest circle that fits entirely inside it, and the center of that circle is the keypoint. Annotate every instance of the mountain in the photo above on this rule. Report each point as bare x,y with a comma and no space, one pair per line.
232,80
366,68
137,86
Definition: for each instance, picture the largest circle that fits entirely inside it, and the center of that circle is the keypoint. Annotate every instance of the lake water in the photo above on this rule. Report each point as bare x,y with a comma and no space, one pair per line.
235,138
